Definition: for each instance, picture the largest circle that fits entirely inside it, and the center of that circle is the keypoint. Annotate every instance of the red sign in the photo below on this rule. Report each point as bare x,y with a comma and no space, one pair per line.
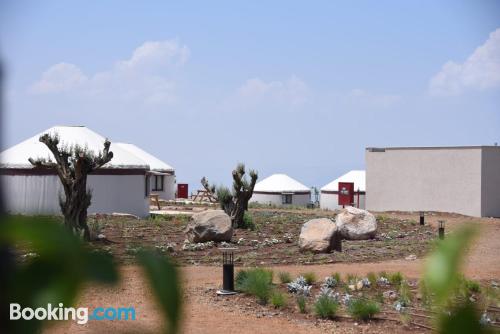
182,190
346,193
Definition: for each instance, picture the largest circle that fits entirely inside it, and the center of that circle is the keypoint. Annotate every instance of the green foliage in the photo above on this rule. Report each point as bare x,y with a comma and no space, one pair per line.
396,278
443,280
284,277
325,307
363,309
164,280
441,275
404,294
372,277
351,278
63,265
338,278
310,277
472,286
256,282
248,221
301,303
278,299
240,279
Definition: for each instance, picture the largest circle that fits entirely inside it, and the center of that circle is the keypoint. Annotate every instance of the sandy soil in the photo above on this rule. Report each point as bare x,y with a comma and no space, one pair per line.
200,317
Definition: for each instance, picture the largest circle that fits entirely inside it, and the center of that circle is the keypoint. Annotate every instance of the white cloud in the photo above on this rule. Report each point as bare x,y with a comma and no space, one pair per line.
59,78
146,76
292,91
480,71
362,97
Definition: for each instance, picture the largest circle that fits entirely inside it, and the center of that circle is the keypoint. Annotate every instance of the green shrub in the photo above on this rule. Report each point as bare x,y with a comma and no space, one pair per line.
248,221
325,307
284,277
472,286
372,278
404,294
351,278
256,282
310,277
240,279
301,303
278,299
363,309
396,278
337,277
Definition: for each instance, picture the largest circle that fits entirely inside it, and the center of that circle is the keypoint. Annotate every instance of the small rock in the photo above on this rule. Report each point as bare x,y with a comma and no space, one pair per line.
411,257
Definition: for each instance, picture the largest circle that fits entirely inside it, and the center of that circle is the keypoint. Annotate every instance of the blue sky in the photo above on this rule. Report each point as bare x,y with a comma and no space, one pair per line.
284,86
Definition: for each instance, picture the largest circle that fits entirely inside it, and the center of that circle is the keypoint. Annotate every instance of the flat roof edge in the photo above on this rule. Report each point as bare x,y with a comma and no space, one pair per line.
382,149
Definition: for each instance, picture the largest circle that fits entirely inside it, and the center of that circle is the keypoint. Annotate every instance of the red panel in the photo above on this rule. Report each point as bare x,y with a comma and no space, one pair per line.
346,193
182,190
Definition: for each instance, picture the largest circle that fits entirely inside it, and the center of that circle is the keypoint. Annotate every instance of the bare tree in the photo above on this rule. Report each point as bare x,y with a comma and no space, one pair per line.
234,203
73,164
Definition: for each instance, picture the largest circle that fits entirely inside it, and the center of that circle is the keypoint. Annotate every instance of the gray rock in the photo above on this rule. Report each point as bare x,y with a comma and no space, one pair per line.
318,235
210,225
356,224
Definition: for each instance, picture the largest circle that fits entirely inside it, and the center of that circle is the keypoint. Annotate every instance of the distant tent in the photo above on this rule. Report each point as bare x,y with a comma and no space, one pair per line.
119,186
329,193
281,189
162,175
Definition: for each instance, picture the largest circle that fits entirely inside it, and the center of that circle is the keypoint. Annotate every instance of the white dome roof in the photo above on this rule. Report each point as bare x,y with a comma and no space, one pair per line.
154,163
280,183
356,176
17,156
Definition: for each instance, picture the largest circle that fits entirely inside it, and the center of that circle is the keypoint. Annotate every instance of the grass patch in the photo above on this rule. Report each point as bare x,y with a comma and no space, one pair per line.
337,277
278,299
310,277
372,278
301,303
363,309
396,278
325,307
284,277
256,282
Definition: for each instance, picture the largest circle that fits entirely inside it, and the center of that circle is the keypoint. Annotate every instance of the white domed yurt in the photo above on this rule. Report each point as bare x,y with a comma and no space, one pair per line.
118,186
281,189
161,174
329,193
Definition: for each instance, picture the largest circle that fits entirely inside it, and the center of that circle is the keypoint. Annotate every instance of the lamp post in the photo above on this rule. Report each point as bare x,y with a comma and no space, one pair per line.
227,272
441,229
422,218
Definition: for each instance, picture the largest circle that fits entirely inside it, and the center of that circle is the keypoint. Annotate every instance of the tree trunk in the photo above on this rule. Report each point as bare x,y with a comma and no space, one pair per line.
75,207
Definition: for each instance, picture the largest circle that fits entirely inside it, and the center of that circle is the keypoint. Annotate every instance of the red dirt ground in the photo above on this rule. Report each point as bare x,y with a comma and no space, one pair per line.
201,317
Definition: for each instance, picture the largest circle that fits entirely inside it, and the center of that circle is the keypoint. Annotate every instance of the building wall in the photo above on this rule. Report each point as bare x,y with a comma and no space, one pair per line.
39,194
276,199
491,182
169,187
330,201
447,180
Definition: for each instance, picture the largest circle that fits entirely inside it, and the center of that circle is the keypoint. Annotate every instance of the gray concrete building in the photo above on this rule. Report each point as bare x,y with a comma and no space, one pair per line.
462,179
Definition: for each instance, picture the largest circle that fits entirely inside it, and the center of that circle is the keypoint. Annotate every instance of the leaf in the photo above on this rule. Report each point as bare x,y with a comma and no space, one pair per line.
464,320
164,279
441,274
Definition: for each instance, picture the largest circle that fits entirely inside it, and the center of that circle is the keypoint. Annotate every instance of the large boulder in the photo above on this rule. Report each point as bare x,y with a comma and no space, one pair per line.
319,235
356,224
210,225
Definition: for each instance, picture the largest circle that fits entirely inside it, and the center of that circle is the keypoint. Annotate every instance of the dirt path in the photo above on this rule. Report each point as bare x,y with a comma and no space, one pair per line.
199,317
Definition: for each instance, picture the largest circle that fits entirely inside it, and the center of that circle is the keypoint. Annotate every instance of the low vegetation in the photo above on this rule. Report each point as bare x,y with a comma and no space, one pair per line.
326,307
256,282
363,309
